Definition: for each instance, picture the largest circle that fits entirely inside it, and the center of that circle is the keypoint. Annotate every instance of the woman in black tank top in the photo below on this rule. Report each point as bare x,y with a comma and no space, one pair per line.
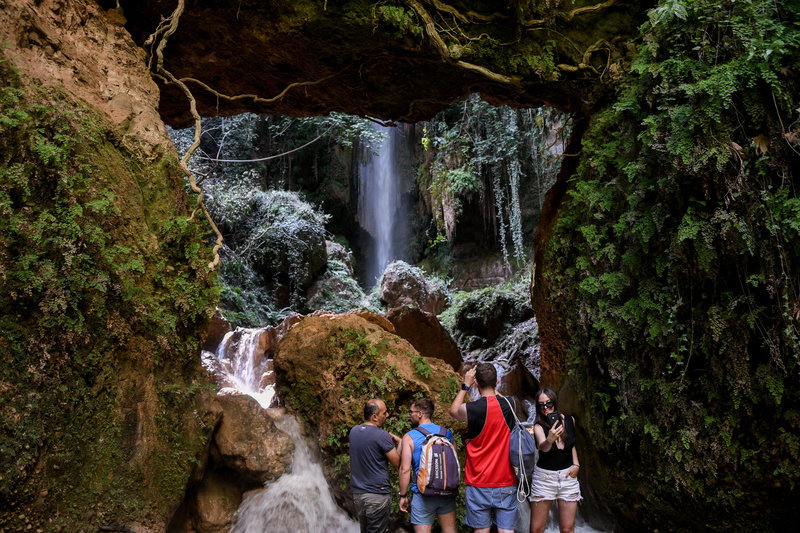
556,474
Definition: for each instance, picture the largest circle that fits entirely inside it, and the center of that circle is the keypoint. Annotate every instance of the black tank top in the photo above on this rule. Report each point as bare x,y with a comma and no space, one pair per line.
558,459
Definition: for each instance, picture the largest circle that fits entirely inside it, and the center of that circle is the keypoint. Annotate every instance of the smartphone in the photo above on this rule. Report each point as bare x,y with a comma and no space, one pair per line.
553,418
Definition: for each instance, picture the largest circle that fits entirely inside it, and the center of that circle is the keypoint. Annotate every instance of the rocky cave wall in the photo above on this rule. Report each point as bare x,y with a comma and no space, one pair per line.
133,329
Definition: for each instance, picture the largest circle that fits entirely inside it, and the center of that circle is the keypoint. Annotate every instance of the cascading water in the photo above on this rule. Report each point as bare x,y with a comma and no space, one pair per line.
380,205
241,366
299,500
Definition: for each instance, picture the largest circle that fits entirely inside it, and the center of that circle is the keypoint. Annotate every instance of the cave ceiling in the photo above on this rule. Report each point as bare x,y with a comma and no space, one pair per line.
400,61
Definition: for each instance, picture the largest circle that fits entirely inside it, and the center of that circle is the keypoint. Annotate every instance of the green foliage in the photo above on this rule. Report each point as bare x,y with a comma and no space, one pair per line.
480,317
421,366
275,239
479,153
337,291
674,263
404,22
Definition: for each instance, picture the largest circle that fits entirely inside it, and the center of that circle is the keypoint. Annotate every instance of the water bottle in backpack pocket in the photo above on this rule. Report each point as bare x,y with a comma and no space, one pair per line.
439,472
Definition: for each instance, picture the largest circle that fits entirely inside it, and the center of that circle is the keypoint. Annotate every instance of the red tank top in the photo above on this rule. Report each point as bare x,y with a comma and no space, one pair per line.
487,454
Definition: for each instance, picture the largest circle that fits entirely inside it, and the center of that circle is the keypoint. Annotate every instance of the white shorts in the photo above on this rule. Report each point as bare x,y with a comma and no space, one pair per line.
554,485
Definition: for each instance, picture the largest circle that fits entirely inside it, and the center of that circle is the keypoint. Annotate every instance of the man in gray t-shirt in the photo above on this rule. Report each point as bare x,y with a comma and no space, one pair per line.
371,451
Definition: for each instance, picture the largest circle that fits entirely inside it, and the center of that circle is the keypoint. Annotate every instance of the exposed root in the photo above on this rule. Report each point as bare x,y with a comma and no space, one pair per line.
567,17
470,16
165,29
439,44
602,44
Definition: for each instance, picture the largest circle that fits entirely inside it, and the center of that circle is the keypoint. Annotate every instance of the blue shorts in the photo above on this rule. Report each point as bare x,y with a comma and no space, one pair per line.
483,502
425,509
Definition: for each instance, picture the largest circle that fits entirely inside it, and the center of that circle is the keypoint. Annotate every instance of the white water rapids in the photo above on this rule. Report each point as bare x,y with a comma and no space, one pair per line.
298,501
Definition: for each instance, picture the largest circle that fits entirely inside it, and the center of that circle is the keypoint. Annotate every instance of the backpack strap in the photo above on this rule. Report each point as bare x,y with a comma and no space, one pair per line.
422,430
442,431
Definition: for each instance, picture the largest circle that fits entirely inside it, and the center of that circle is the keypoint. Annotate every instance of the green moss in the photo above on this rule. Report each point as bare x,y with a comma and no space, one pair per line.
674,268
104,289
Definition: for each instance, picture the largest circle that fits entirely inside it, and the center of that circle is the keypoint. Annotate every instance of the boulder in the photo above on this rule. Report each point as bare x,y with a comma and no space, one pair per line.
215,332
248,442
337,252
425,333
403,284
328,366
487,315
215,503
378,320
336,290
520,383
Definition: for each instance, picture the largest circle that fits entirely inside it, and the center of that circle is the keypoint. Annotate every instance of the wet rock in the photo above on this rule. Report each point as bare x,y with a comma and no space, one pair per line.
248,442
215,332
487,315
403,284
425,333
215,504
337,252
336,290
520,383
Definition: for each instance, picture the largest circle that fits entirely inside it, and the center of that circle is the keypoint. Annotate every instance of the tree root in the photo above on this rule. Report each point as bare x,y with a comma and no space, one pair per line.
258,99
165,29
601,44
567,17
444,52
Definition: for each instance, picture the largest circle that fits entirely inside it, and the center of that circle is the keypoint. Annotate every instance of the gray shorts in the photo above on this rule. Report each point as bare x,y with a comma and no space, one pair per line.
372,511
554,485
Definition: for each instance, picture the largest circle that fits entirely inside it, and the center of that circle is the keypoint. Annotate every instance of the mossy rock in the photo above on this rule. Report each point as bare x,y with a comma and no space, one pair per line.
103,291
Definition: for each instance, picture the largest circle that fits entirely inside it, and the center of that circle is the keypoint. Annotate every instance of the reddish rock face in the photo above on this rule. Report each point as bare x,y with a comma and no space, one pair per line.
248,442
215,332
426,334
307,57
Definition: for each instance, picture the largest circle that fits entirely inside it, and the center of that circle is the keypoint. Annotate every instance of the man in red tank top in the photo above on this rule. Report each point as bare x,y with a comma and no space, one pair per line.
490,479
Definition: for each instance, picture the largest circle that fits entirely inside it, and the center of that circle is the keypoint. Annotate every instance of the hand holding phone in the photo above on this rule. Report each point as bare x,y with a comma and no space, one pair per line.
554,419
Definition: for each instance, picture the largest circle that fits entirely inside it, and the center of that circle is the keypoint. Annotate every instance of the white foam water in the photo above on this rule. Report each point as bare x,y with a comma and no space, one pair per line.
297,501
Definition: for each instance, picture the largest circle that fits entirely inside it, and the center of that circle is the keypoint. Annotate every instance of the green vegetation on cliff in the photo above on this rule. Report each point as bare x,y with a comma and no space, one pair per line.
674,266
103,290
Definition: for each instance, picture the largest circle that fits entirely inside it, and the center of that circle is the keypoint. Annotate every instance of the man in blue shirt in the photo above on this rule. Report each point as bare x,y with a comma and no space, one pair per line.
424,509
371,451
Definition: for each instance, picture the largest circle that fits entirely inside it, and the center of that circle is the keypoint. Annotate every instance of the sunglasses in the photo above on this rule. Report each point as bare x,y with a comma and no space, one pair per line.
546,405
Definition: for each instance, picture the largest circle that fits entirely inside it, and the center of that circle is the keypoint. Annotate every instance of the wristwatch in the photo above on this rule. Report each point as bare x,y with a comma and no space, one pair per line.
464,387
403,495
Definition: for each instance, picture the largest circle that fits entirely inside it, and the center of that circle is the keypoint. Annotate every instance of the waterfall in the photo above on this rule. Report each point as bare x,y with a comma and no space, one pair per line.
380,202
298,501
240,365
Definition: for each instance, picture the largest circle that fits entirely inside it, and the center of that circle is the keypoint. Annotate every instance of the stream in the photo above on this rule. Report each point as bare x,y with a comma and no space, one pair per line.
300,500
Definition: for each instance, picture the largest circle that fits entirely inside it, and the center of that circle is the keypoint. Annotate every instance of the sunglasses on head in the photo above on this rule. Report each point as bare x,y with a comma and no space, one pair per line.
546,405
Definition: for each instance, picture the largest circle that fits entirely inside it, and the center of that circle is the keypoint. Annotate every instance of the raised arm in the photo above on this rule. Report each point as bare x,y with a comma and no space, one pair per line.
458,409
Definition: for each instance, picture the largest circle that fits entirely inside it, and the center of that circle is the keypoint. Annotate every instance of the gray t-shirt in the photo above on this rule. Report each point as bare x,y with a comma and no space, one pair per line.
369,466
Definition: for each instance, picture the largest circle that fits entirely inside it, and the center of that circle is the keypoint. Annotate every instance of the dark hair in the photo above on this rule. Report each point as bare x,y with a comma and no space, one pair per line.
486,375
371,408
540,418
425,406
